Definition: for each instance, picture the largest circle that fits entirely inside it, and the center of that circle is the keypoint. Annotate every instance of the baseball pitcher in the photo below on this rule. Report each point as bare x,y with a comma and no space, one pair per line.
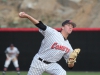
54,46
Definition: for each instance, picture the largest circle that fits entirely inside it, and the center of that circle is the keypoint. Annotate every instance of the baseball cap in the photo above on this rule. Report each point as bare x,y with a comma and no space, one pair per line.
69,22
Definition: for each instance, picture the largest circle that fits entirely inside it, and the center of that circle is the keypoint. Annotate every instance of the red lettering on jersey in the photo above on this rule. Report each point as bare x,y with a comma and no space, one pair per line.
60,47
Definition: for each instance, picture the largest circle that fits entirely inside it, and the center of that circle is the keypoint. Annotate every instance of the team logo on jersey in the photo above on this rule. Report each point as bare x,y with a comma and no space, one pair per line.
60,47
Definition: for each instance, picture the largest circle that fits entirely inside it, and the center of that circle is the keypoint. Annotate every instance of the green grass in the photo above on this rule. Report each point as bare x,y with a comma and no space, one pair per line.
68,73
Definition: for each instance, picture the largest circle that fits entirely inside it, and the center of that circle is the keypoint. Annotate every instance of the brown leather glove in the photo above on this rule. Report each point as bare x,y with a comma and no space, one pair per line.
73,56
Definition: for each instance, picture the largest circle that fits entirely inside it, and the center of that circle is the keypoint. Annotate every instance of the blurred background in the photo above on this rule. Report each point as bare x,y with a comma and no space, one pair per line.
85,13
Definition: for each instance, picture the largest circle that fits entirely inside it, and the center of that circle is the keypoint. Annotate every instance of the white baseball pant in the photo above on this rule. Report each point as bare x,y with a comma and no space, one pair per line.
8,61
38,67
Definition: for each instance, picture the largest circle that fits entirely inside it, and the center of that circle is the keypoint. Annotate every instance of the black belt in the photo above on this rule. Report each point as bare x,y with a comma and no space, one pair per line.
44,61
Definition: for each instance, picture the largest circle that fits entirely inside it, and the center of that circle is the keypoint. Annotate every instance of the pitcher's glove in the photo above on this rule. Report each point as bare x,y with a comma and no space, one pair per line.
73,56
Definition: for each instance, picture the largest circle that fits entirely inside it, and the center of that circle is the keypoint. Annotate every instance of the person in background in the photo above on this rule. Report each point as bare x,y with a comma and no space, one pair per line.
11,55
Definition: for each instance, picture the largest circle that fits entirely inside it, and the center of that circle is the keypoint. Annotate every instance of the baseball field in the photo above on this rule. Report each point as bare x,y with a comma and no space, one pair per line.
68,73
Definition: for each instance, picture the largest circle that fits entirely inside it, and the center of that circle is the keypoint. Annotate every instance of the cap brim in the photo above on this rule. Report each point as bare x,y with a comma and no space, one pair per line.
72,23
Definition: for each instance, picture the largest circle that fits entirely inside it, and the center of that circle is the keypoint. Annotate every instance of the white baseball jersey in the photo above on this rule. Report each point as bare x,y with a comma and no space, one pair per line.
11,53
53,46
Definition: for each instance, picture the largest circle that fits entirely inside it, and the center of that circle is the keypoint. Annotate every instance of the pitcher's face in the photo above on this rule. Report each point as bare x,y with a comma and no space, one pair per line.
68,28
